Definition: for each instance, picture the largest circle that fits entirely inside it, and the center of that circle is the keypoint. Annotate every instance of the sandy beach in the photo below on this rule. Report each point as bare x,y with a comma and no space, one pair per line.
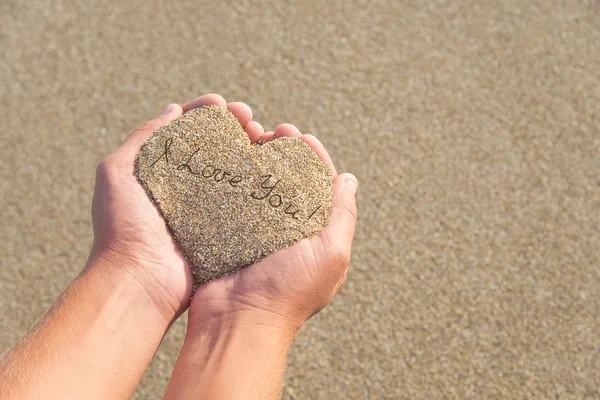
473,128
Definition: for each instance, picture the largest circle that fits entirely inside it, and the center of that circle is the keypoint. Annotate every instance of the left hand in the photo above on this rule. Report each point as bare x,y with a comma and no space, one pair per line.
129,232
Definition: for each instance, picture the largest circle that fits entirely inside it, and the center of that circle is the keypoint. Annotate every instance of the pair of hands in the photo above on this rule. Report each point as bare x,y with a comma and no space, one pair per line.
101,333
283,290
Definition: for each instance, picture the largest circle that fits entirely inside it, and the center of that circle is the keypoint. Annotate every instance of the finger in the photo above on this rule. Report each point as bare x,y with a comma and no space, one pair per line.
254,130
205,100
287,130
136,139
242,112
342,280
342,222
268,136
318,148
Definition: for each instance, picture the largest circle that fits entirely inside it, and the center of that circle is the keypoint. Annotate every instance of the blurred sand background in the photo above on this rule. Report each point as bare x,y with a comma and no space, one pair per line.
473,127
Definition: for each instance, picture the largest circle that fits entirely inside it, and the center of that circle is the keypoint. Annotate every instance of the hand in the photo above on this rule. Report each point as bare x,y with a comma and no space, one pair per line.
129,230
241,326
287,287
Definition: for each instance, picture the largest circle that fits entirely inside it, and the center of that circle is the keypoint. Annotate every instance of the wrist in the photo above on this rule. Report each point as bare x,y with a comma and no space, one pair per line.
134,281
258,323
241,357
215,315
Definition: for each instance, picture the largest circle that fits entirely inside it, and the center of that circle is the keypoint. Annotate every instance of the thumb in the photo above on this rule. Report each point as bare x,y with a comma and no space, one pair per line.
344,212
136,139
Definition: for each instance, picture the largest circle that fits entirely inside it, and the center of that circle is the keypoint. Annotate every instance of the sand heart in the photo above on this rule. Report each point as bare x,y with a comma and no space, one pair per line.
228,202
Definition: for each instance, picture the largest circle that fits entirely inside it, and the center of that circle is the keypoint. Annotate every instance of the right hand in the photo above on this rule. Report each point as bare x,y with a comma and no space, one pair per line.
286,288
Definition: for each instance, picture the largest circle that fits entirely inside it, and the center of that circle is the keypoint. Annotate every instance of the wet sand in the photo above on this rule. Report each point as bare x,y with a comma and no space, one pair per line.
472,126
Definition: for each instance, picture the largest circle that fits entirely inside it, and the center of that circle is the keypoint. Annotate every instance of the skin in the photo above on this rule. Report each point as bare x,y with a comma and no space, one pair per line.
100,335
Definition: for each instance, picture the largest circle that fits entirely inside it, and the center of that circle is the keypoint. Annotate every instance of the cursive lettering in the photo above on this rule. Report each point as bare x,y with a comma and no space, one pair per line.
292,213
165,153
275,200
225,173
205,169
266,189
187,164
263,185
235,180
313,213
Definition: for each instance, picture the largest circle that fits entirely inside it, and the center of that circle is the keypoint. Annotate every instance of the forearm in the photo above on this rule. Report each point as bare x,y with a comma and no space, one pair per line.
231,360
95,341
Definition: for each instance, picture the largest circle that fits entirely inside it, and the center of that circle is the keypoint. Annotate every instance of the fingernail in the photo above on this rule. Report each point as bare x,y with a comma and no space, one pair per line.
168,109
352,183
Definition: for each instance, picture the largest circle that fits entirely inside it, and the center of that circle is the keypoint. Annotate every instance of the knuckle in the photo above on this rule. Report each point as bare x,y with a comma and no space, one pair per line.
343,279
351,209
344,256
121,164
102,169
146,127
339,252
111,169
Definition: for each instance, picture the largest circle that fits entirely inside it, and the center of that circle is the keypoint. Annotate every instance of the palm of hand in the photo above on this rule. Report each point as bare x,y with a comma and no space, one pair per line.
290,285
127,223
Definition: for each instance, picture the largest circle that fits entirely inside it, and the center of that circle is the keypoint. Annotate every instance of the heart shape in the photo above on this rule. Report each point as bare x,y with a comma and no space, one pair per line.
226,201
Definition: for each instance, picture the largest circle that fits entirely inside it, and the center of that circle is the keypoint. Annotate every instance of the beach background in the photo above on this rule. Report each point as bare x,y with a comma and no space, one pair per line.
473,127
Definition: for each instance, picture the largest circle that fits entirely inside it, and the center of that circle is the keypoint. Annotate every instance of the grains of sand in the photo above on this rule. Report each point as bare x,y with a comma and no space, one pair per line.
226,201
